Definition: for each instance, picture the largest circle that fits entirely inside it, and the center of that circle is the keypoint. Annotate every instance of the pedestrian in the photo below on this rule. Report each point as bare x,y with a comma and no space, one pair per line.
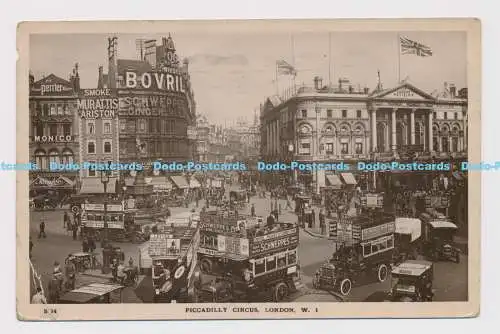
85,245
65,219
252,210
91,244
54,290
70,273
270,220
75,230
131,262
31,246
322,222
42,230
276,214
38,297
288,203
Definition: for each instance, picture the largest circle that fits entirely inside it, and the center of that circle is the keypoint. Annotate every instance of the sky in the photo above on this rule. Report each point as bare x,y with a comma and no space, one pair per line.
232,73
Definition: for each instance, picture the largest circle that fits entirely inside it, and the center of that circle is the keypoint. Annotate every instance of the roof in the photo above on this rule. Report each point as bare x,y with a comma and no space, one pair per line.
412,268
404,84
133,65
349,178
88,292
333,180
93,185
442,224
179,181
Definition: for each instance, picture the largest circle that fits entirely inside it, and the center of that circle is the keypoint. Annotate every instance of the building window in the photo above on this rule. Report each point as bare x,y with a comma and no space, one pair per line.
435,144
123,125
53,110
67,109
305,148
344,148
41,159
60,110
434,115
344,113
359,148
454,144
304,113
67,157
445,144
107,147
54,157
91,171
53,130
107,127
358,113
67,129
329,113
45,110
142,125
445,115
91,147
329,148
39,129
90,127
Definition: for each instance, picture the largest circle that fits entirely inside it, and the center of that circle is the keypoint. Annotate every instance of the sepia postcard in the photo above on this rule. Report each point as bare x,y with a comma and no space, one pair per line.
259,169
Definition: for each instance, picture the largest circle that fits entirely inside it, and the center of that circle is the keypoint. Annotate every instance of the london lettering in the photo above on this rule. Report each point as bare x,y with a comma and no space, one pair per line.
161,81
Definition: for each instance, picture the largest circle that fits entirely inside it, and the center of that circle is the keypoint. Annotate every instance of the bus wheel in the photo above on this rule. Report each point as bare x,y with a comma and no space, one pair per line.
206,266
382,273
280,292
345,286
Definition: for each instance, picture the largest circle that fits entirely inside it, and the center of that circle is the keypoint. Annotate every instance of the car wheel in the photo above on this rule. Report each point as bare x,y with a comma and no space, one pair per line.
382,273
206,266
280,292
345,286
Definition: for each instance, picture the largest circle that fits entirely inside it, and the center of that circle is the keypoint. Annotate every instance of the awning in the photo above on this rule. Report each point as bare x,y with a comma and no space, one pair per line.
52,182
159,183
179,181
93,185
129,181
333,180
194,183
442,224
349,178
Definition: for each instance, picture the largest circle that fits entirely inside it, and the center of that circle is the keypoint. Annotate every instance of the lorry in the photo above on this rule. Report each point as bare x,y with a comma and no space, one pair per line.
243,260
169,260
407,239
364,250
438,237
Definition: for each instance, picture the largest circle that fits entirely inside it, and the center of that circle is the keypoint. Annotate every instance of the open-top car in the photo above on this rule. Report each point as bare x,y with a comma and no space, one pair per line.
412,281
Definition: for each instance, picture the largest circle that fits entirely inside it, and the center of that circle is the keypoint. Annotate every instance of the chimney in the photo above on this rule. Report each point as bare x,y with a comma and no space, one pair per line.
351,89
76,82
31,79
366,90
112,61
186,64
453,90
318,83
164,41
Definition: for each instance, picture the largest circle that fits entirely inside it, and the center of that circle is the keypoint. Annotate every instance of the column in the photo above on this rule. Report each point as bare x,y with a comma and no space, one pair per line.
450,144
374,129
412,127
393,129
429,125
465,126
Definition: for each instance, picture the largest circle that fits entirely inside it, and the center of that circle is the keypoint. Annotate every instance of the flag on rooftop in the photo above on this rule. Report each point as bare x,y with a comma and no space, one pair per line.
415,48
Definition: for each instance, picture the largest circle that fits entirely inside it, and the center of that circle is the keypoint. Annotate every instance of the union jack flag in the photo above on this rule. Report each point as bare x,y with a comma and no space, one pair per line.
285,68
414,48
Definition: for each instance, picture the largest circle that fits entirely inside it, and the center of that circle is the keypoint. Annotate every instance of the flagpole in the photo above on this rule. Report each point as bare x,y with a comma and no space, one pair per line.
399,59
292,45
329,59
276,81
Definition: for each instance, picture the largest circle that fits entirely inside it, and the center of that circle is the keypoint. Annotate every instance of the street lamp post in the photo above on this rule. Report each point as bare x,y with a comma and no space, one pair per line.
105,180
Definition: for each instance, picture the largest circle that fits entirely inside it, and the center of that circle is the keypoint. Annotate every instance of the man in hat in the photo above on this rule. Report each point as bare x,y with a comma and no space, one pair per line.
42,230
70,272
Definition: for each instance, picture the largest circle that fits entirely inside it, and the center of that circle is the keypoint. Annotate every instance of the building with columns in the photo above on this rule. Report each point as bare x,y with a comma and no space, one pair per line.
333,124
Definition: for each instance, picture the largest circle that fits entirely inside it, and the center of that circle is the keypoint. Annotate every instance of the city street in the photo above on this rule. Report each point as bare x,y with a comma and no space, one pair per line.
450,279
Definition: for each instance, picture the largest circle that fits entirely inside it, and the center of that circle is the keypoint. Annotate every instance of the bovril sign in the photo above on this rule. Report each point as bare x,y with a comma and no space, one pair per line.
53,139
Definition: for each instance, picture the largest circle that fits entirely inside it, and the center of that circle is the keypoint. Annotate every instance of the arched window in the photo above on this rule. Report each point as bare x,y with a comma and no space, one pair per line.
54,157
41,159
67,156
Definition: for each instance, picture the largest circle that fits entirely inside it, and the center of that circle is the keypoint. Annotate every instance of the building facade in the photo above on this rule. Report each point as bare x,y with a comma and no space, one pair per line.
156,109
326,124
54,135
